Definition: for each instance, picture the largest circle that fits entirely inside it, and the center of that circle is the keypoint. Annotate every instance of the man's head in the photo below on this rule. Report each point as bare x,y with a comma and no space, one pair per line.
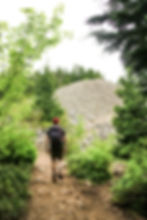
56,120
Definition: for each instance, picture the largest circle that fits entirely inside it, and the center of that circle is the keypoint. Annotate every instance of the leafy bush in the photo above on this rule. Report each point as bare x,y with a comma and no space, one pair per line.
16,145
17,154
75,137
13,190
132,148
106,145
91,164
131,189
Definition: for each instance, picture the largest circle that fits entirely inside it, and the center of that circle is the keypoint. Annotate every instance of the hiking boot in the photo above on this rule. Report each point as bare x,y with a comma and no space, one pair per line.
54,178
60,176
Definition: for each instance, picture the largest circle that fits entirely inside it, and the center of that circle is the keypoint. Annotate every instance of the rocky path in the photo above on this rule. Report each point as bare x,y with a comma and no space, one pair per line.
69,199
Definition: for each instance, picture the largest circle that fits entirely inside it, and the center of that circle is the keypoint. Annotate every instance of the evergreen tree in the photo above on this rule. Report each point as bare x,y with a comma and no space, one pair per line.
128,31
44,88
128,19
131,119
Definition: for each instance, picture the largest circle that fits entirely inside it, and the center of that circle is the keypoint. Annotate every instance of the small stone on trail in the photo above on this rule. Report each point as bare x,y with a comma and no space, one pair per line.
40,180
66,191
81,204
88,183
118,169
42,192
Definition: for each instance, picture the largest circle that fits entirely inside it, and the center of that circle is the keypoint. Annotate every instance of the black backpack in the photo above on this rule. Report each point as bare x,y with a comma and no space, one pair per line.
55,133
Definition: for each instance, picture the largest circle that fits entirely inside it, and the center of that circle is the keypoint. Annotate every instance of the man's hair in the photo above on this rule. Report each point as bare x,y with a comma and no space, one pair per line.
56,120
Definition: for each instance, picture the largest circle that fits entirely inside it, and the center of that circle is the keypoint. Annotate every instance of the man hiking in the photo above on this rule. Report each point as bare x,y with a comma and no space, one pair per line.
56,138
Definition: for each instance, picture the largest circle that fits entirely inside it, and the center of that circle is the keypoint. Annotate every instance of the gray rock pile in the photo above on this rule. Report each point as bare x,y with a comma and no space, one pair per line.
94,101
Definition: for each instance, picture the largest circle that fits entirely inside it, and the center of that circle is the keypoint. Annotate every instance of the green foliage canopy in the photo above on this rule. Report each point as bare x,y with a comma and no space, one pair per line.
20,47
77,73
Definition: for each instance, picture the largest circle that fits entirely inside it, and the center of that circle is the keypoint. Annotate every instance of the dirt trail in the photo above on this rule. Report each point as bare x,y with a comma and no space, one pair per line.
69,199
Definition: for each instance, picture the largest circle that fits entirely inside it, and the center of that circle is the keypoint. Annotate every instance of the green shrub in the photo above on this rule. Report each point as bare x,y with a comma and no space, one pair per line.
75,137
13,190
106,145
91,164
124,152
129,149
131,189
17,154
16,145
